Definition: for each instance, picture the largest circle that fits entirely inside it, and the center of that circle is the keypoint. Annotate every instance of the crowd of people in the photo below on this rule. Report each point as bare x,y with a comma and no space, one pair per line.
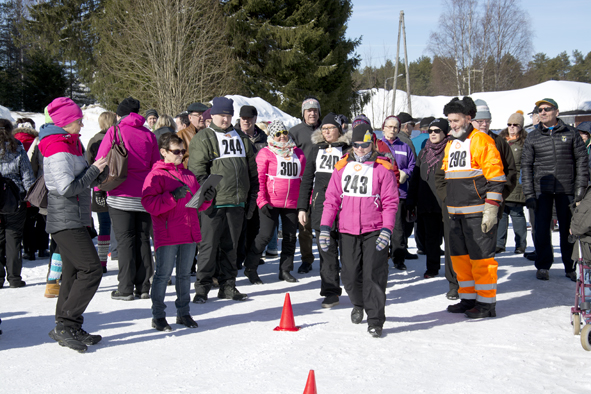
362,191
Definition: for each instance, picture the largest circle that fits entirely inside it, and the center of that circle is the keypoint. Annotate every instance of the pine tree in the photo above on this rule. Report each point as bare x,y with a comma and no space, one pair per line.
289,49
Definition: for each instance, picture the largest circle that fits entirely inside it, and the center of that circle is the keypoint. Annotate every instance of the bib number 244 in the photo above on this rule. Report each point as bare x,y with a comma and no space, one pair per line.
231,147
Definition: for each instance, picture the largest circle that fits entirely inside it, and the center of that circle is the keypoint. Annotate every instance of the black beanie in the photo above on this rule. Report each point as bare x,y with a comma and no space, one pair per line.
334,120
443,124
128,106
362,133
248,111
151,112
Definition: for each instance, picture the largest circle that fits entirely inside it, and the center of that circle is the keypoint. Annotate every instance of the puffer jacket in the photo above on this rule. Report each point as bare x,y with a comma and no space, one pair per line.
68,178
240,183
26,136
516,195
173,223
314,182
274,187
404,156
360,215
554,161
143,152
17,167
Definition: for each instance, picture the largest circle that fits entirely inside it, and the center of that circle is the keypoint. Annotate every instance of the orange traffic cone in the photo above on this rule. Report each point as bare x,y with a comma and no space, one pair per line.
287,323
311,384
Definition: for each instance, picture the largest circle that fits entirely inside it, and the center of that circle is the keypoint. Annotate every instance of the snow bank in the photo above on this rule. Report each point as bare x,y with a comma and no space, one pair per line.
5,114
266,112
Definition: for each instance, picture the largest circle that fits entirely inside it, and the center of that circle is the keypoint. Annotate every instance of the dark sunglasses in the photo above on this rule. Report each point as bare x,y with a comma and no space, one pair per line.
361,144
431,131
177,152
545,109
513,124
280,133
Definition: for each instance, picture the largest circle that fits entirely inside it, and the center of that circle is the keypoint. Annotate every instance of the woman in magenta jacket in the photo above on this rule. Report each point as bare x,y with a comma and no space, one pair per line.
362,191
167,189
280,168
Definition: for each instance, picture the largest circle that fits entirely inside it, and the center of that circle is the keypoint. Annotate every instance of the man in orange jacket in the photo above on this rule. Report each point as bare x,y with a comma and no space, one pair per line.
470,183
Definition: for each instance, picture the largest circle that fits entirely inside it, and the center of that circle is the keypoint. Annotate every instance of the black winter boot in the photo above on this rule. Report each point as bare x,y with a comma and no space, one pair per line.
462,307
229,292
357,315
482,310
253,276
66,336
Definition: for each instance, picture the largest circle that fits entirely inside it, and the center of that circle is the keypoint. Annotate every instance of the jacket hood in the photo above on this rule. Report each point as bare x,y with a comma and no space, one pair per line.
50,129
317,138
133,120
26,130
161,165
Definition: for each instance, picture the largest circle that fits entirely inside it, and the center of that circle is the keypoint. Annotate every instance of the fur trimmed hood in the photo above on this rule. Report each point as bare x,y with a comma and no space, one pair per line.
317,137
26,130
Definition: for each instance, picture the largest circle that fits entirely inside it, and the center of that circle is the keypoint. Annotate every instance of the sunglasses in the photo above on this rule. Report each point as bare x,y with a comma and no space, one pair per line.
545,109
280,133
431,131
361,144
513,124
177,152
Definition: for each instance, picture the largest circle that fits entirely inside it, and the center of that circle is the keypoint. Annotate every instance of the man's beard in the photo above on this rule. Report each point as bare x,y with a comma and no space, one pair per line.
458,133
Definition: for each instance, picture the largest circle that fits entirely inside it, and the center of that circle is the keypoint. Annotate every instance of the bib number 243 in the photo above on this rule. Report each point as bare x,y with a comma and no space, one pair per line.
355,184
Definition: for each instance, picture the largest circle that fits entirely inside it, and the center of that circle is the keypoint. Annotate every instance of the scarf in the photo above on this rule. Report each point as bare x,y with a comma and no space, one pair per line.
362,159
434,153
284,149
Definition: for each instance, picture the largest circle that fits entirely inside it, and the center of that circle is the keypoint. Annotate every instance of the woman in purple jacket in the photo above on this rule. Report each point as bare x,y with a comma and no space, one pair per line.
362,190
131,222
167,189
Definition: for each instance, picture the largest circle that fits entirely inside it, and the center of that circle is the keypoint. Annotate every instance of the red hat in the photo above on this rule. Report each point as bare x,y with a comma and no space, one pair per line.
64,111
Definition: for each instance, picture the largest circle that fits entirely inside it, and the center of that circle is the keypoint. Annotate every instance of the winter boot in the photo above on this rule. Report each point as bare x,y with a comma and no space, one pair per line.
66,336
357,315
230,292
374,331
304,268
287,276
186,321
462,307
52,290
86,338
253,276
161,324
330,301
482,310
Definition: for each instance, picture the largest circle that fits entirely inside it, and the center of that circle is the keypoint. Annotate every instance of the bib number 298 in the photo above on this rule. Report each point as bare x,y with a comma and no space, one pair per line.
231,147
457,158
355,184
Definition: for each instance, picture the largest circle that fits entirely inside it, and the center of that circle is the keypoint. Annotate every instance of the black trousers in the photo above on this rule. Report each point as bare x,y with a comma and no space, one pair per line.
402,230
220,232
543,234
306,241
250,230
132,230
432,223
450,274
289,220
330,281
81,275
34,237
365,274
11,235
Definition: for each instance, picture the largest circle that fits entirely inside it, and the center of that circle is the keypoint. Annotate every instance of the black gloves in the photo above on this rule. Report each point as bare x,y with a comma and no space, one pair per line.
579,194
266,210
180,192
209,194
531,203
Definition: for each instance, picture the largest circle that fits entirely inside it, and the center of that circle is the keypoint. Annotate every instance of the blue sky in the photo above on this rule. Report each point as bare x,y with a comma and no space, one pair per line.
557,26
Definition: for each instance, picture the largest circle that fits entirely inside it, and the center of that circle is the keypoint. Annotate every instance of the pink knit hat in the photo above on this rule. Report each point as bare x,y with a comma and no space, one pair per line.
64,111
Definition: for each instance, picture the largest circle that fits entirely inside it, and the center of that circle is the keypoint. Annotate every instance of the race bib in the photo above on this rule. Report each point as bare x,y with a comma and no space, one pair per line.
230,144
288,167
327,158
357,180
459,156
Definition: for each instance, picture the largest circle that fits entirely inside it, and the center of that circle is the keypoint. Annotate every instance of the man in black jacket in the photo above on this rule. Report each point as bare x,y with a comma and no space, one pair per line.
557,153
301,135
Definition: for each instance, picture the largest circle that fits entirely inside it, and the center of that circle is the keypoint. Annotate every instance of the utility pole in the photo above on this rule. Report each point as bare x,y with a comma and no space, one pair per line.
401,32
406,65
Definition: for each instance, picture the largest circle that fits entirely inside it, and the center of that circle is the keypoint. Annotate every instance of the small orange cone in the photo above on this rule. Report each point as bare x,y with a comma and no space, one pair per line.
287,323
311,384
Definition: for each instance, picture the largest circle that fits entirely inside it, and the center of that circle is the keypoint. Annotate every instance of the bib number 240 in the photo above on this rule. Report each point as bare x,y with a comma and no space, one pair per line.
356,184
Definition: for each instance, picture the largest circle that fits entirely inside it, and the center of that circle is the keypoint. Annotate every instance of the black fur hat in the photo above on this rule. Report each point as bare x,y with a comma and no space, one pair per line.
464,106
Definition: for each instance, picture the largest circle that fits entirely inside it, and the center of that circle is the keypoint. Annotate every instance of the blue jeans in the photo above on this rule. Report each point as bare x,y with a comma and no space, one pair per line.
167,256
519,227
104,223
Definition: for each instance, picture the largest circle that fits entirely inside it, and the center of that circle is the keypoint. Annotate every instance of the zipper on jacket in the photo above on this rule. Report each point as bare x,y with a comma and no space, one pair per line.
287,195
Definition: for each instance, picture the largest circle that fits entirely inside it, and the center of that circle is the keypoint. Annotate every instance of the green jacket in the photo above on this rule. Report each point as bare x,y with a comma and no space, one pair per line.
240,179
517,193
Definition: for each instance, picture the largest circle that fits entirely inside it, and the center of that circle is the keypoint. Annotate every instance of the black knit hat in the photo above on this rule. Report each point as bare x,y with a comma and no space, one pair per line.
151,112
334,120
464,106
128,106
222,106
441,123
404,117
362,133
248,111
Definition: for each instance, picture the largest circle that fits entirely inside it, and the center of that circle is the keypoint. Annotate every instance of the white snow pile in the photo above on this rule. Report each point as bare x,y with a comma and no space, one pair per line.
568,95
5,114
266,111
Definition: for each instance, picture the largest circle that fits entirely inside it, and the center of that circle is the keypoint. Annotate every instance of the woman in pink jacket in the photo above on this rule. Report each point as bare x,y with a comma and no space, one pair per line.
280,168
362,191
167,189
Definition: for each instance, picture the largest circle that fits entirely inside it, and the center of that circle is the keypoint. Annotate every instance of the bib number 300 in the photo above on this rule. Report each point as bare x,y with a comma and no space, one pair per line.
232,147
289,169
356,184
457,159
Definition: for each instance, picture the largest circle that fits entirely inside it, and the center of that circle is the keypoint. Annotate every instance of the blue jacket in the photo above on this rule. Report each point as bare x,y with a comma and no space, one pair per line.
405,160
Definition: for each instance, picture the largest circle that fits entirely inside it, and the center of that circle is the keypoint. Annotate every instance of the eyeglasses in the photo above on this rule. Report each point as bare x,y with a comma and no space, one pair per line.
280,133
361,144
545,109
177,152
513,124
482,121
328,128
437,131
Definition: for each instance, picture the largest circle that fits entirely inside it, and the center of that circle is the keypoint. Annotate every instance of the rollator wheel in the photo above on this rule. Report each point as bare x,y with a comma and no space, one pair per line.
586,337
576,322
